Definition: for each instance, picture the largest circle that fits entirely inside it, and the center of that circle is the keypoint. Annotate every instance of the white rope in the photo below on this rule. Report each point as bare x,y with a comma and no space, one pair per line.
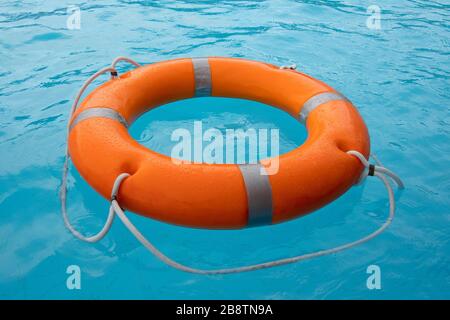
378,171
141,238
116,209
63,190
377,168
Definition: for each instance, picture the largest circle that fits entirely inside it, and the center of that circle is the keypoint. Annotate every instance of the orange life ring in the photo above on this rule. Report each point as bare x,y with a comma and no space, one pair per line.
219,196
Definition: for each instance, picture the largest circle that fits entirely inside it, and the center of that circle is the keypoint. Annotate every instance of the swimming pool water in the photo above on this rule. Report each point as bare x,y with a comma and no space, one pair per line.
397,76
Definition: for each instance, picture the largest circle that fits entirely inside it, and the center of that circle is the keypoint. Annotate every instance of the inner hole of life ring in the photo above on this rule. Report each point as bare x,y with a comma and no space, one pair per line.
218,130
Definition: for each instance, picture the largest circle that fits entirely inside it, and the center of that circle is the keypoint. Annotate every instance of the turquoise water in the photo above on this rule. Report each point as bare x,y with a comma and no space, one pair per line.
398,76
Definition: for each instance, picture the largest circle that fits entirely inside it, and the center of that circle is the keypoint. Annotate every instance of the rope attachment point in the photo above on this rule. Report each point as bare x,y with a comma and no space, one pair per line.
290,67
375,170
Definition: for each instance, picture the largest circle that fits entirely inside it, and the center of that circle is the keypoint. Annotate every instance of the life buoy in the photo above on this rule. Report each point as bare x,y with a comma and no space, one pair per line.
219,196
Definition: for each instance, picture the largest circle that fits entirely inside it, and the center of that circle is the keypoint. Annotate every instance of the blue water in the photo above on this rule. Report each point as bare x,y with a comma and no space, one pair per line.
398,76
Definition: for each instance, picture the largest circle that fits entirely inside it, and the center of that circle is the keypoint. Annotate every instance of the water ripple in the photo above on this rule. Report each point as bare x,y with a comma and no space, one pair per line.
398,77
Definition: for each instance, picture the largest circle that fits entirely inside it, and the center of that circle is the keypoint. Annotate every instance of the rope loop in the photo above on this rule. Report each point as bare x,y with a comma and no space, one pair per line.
65,171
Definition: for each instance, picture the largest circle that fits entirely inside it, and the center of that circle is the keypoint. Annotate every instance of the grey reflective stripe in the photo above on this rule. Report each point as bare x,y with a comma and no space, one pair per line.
98,113
316,101
259,194
202,74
